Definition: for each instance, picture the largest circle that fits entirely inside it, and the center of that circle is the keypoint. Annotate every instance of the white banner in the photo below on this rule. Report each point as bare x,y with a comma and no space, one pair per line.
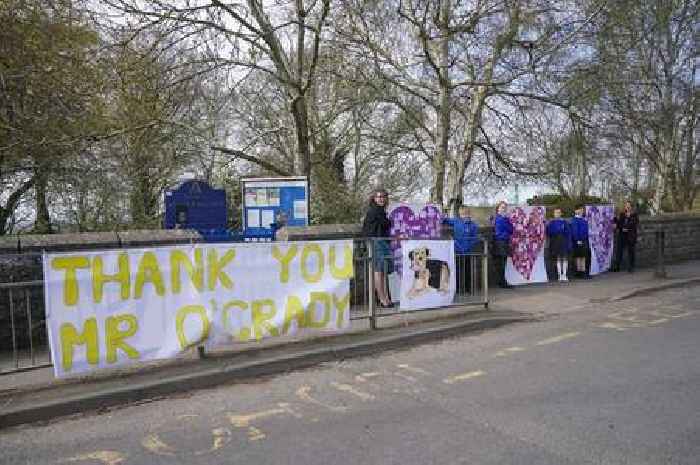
429,277
526,263
111,308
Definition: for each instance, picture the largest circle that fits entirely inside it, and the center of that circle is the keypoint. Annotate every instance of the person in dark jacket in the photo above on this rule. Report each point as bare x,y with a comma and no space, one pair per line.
626,225
500,250
376,226
559,236
579,237
465,234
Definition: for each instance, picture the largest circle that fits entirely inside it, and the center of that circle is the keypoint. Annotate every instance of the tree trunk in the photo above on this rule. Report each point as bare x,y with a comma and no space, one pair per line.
444,109
42,225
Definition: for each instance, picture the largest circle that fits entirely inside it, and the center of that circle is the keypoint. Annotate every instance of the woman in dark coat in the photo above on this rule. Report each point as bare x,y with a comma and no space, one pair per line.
376,225
626,224
500,250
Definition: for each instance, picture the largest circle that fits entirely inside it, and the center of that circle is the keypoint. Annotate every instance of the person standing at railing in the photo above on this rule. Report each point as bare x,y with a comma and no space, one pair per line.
626,224
376,226
465,234
502,233
579,236
559,236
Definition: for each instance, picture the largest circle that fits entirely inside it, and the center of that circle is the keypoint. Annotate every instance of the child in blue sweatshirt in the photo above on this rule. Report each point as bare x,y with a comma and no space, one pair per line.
465,233
579,236
559,235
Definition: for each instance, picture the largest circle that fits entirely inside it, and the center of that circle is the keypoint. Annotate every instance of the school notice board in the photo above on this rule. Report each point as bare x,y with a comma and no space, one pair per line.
111,308
279,201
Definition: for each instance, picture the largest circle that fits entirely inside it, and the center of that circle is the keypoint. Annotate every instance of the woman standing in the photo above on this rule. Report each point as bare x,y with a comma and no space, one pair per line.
626,222
502,232
376,225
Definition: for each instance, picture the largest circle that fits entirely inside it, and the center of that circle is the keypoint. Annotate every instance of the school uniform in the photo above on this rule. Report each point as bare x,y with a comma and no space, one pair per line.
502,233
579,236
559,235
465,234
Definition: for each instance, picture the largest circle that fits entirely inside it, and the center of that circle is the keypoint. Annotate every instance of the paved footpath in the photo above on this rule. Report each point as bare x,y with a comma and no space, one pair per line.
35,395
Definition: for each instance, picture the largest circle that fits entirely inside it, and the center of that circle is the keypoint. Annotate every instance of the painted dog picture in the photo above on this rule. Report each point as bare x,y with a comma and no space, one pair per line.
429,274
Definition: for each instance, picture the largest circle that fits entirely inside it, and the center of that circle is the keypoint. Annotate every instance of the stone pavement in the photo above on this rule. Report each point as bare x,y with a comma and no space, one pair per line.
35,395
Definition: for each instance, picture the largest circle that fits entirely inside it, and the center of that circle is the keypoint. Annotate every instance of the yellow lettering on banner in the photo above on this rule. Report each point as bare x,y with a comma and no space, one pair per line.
182,313
226,322
149,271
284,259
179,259
341,305
346,272
70,337
325,299
114,337
70,281
293,311
99,278
215,270
261,318
305,254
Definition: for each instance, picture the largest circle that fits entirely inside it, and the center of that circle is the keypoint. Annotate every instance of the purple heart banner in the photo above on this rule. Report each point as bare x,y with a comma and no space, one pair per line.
601,229
526,263
413,221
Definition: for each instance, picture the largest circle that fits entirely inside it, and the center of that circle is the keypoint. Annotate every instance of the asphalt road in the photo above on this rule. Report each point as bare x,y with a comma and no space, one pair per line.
607,384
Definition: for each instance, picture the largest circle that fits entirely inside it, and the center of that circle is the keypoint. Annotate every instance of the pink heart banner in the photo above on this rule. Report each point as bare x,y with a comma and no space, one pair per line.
528,237
409,221
601,229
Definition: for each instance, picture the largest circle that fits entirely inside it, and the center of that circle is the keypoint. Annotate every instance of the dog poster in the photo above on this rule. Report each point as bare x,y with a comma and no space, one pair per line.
428,280
526,264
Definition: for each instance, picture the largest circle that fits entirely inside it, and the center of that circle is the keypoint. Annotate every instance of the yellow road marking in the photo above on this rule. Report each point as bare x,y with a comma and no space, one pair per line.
555,339
508,351
303,394
611,325
351,390
416,370
108,457
255,434
463,377
153,443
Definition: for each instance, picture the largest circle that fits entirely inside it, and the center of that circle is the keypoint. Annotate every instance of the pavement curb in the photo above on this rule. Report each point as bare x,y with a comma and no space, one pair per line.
655,288
229,373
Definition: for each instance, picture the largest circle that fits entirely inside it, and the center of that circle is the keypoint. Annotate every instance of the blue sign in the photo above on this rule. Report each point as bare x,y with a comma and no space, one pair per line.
195,205
271,203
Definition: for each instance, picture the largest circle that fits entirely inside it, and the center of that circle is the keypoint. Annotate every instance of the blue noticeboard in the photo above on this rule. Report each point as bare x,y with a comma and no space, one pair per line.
195,205
270,203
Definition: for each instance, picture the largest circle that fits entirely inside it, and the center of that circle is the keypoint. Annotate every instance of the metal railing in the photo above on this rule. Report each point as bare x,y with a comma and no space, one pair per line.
24,338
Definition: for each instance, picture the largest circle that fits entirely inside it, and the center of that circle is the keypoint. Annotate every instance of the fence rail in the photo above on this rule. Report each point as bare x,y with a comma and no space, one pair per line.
24,339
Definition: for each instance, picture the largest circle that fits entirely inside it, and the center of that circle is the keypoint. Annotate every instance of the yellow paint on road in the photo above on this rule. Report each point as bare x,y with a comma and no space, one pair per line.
561,337
508,350
303,393
108,457
463,377
351,390
254,433
412,369
611,325
156,445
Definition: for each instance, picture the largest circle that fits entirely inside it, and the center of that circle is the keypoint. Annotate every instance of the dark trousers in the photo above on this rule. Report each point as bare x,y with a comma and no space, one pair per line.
499,263
463,275
624,243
